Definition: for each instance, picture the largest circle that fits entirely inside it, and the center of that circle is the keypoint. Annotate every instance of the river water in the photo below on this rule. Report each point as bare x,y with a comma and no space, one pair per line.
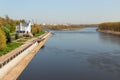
76,55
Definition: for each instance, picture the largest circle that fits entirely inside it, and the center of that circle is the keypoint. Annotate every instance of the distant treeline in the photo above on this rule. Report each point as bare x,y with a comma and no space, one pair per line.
63,27
9,23
90,25
111,26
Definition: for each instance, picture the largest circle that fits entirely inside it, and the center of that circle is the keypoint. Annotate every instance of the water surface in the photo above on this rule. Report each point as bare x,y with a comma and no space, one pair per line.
76,55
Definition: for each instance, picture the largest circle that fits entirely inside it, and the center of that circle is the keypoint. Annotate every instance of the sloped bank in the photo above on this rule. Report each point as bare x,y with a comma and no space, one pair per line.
110,32
110,28
17,60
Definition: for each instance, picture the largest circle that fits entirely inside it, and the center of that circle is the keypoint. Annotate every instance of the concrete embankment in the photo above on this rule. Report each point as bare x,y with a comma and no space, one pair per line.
110,32
12,69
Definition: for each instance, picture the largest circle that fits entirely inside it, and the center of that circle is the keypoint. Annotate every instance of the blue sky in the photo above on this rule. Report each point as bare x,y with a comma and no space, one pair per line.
62,11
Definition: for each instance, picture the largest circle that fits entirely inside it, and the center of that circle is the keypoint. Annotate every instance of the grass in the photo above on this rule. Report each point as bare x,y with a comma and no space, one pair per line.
12,34
40,33
13,45
10,46
22,40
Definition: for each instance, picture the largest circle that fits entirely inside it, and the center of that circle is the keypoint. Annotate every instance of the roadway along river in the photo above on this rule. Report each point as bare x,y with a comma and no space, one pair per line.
76,55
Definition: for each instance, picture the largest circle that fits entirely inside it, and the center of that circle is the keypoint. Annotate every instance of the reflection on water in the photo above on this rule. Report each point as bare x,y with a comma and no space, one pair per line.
108,38
106,61
76,55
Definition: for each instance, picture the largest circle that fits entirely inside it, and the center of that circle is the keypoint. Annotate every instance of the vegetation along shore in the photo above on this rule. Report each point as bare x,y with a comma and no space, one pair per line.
10,39
13,33
110,27
63,27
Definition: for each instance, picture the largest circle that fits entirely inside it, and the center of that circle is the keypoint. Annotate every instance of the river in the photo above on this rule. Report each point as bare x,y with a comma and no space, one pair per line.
76,55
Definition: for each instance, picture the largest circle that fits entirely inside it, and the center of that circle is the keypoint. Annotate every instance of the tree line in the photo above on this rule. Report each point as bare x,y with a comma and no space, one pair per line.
62,27
111,26
8,26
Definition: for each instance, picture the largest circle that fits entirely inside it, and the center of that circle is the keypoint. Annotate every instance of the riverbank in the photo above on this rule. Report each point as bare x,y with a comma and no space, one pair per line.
109,32
22,60
76,55
72,29
63,27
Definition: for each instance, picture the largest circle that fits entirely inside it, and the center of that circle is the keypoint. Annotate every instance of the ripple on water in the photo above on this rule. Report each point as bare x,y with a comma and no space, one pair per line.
106,61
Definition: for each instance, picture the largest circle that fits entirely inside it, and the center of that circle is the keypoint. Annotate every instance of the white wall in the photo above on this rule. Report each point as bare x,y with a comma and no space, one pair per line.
16,60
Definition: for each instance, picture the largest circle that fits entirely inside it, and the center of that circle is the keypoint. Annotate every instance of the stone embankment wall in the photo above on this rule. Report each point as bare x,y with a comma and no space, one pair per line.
10,62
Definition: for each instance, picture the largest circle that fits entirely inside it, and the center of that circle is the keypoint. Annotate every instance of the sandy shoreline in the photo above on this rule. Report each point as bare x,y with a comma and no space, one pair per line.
109,32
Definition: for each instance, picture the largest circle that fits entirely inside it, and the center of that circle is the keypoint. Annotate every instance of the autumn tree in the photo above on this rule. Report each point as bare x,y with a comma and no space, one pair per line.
36,29
111,26
2,40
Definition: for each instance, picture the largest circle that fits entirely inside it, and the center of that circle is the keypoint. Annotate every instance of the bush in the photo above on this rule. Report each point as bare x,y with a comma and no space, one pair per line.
2,40
36,29
7,34
26,35
16,36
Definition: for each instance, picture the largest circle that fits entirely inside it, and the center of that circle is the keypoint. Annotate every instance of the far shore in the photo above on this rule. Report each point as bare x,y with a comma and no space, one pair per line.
110,32
68,29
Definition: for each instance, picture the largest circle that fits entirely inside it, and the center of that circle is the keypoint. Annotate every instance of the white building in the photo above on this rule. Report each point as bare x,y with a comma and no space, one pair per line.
24,27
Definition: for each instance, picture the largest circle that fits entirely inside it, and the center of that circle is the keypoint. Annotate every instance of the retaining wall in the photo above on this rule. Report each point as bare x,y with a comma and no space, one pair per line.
9,63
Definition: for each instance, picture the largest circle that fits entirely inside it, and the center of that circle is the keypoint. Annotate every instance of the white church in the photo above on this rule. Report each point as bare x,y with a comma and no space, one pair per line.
24,27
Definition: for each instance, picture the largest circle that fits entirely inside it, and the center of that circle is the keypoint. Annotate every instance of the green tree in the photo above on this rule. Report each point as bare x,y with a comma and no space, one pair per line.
7,34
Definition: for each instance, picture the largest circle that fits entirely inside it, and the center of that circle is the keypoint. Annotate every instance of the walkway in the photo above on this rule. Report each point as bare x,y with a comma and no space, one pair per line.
18,69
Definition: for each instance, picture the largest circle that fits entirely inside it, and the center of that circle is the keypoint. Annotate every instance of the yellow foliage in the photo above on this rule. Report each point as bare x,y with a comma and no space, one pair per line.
112,26
36,29
2,40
